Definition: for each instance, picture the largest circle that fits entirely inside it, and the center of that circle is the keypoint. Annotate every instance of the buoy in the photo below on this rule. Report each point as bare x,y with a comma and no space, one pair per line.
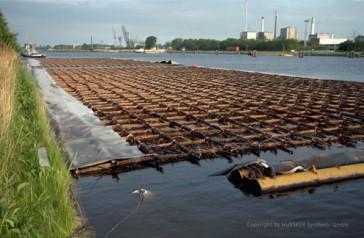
141,191
194,65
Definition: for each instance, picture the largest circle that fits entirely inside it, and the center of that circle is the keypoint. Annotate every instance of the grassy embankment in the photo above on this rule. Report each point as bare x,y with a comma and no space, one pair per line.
34,201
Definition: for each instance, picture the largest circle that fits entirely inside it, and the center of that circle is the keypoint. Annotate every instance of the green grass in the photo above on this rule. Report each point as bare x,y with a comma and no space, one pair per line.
34,201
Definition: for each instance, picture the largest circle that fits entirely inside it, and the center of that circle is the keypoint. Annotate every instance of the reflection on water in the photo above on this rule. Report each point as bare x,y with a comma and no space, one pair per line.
186,201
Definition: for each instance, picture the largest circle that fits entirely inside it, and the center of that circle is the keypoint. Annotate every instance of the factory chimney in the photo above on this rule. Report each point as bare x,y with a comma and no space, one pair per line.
246,16
313,23
262,26
275,25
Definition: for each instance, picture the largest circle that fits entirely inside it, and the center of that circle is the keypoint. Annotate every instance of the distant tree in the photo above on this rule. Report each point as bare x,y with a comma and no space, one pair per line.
207,44
177,44
6,36
230,42
292,44
167,45
43,47
261,37
346,46
359,43
359,38
150,42
62,46
359,46
85,46
189,44
248,44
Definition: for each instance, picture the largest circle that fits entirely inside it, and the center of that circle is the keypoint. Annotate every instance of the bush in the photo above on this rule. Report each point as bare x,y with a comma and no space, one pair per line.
6,36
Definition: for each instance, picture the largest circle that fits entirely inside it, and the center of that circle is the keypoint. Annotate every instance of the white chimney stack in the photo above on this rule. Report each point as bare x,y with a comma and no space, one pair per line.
313,23
275,25
262,26
246,16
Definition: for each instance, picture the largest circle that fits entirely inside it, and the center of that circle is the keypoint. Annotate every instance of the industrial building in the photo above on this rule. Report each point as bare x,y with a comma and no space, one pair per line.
252,35
248,35
323,38
264,35
289,32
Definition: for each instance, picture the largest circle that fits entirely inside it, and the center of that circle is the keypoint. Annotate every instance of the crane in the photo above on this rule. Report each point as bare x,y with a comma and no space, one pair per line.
119,39
126,36
129,40
114,35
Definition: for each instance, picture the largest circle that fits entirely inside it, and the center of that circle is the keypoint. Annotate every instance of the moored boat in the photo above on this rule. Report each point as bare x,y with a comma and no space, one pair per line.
141,50
154,51
30,52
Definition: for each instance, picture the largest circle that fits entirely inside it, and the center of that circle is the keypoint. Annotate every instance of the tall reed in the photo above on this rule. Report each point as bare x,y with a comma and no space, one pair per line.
7,88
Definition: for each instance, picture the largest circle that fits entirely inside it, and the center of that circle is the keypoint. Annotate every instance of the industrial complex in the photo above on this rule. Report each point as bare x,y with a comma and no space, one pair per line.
288,32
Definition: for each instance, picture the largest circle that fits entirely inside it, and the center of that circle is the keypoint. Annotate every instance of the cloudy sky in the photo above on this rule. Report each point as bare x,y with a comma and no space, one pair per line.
74,21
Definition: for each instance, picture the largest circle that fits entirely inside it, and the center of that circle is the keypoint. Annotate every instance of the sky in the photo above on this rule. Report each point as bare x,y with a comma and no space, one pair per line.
75,21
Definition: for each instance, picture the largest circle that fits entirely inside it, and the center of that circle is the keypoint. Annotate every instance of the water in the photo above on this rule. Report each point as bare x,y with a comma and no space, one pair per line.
339,68
187,202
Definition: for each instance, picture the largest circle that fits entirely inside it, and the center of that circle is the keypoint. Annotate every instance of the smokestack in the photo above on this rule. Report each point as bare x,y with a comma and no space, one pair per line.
313,24
246,16
262,26
275,25
306,27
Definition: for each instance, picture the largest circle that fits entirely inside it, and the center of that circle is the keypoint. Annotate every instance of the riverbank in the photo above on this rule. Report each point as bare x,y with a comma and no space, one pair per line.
35,200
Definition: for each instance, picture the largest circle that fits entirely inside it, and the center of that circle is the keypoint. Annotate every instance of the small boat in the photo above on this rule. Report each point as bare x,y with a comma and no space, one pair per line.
154,51
30,52
32,55
141,50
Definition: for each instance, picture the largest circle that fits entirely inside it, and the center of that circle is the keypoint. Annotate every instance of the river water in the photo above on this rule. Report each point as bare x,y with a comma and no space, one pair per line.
185,201
339,68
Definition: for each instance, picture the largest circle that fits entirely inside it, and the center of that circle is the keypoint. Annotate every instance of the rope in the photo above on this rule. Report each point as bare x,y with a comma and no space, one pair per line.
132,212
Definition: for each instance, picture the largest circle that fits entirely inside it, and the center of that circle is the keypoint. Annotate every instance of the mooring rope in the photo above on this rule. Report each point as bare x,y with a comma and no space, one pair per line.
141,193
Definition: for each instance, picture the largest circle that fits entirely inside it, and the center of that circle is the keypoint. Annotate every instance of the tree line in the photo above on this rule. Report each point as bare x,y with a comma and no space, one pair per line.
356,45
232,43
